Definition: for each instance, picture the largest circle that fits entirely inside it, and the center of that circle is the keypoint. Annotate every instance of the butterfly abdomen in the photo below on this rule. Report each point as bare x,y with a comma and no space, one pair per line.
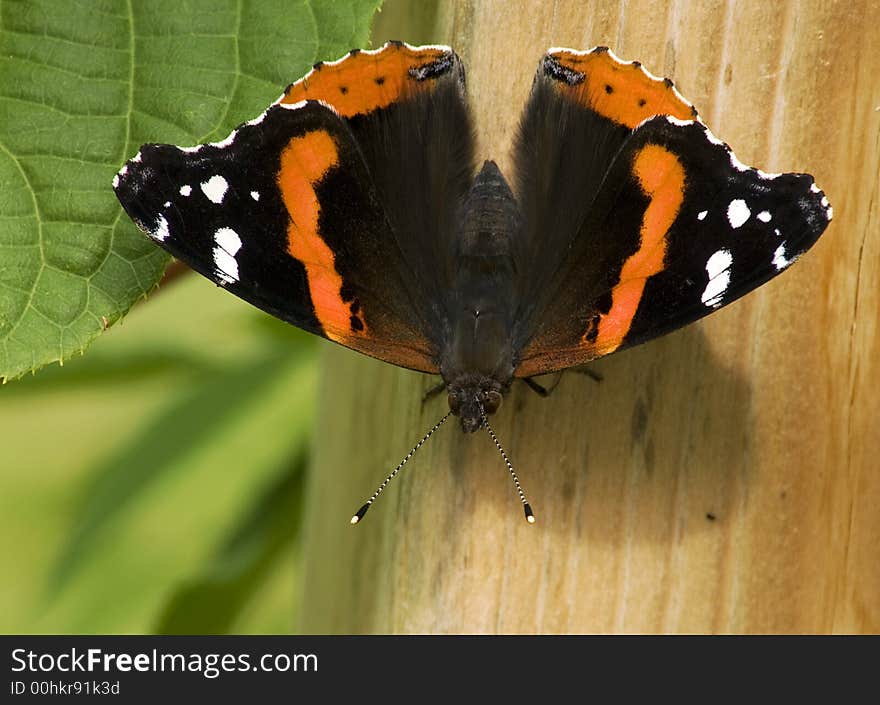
490,216
478,355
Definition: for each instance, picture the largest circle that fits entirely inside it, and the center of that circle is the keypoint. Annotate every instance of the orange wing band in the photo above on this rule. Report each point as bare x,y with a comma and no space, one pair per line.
304,162
364,81
662,179
622,92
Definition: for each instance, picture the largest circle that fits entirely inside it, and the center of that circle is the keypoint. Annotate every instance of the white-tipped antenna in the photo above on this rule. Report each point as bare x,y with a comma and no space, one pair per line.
527,508
363,510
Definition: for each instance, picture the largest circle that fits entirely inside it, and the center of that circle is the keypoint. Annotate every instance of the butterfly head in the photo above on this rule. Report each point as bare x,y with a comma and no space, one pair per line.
471,397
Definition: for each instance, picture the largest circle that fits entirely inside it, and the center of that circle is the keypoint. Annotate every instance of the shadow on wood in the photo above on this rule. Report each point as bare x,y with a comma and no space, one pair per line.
721,479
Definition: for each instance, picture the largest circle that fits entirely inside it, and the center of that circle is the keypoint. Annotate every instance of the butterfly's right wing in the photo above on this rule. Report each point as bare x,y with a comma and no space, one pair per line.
637,225
582,108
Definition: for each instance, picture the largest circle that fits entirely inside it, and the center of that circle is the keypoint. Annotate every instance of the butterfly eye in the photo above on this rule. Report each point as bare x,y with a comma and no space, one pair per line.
454,403
491,401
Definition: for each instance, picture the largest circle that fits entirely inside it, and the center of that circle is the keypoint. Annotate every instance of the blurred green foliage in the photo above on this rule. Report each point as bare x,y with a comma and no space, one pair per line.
153,484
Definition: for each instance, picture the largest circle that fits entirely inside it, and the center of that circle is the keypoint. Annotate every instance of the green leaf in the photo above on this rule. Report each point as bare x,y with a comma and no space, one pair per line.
82,86
131,485
188,424
209,603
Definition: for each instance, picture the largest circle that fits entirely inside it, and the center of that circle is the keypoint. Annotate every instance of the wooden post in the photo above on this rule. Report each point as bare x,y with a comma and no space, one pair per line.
724,478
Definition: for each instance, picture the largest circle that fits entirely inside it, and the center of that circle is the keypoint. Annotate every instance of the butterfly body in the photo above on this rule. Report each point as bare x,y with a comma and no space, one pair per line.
352,208
477,359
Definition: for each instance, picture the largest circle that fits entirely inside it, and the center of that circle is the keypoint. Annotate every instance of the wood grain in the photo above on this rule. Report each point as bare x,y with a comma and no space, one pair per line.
724,478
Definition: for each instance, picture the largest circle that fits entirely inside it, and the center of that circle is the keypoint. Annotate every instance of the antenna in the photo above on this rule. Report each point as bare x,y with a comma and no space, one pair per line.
363,510
530,517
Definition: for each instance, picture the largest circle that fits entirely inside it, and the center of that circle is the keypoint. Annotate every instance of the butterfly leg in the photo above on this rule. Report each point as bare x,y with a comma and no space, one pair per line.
433,392
540,389
546,391
583,370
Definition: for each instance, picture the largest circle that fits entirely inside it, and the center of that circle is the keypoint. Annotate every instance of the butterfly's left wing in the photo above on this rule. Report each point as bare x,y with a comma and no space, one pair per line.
676,228
333,209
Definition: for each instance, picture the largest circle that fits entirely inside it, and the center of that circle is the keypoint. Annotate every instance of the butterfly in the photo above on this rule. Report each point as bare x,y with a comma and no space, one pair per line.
353,208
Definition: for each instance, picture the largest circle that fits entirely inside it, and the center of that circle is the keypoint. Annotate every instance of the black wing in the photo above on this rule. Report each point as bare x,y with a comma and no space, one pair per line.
320,211
653,222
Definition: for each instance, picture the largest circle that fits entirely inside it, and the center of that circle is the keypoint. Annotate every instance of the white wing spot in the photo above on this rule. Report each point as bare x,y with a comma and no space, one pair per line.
718,262
824,202
160,232
713,139
215,188
121,172
227,245
738,212
262,116
167,204
737,164
186,190
228,239
718,269
764,216
780,261
702,215
294,106
255,195
227,141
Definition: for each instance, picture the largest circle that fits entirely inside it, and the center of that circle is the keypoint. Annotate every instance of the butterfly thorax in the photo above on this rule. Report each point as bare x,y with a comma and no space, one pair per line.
477,361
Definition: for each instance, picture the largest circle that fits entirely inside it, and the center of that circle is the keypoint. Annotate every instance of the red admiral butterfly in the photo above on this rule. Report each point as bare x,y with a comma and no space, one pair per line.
350,208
